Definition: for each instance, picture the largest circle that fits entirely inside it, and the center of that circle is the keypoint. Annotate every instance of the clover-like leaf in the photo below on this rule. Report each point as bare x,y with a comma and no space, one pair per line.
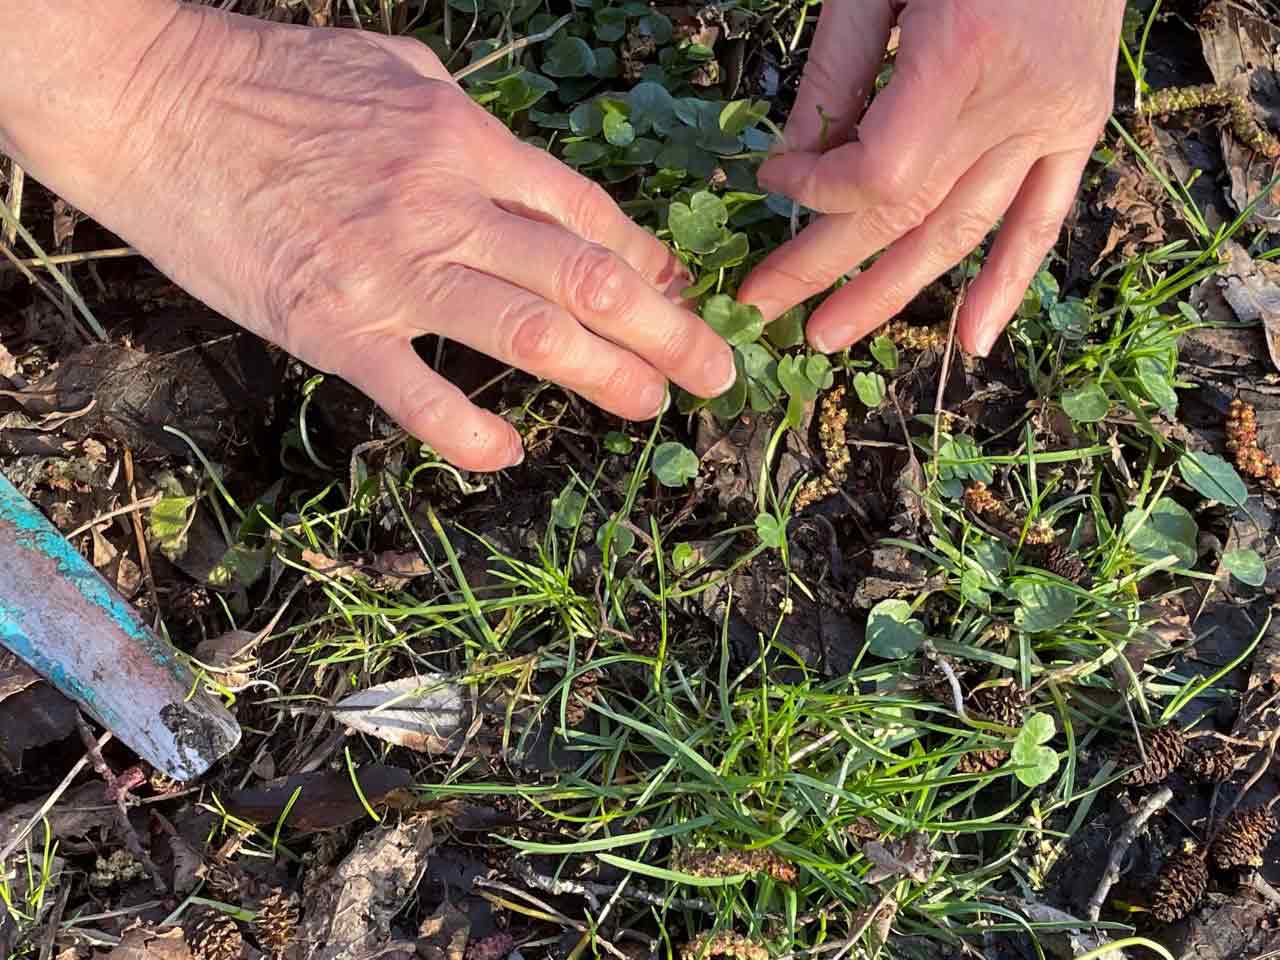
1042,606
566,509
1246,566
737,115
652,108
761,372
891,631
885,352
569,56
770,531
731,252
674,464
698,226
738,323
1167,530
1037,763
788,329
1087,403
870,388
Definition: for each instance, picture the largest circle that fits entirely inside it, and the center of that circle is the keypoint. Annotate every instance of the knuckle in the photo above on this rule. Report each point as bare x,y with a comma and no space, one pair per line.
675,348
963,232
621,387
896,185
1041,232
423,405
893,220
538,336
591,208
595,281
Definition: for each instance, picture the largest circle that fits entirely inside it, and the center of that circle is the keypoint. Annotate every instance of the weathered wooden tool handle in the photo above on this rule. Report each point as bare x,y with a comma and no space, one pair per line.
59,615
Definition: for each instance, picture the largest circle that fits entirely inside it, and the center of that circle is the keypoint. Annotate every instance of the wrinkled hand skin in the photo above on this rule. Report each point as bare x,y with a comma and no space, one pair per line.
991,113
335,192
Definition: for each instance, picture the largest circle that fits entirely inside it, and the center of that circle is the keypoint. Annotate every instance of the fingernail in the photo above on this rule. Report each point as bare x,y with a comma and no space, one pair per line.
986,340
515,450
654,398
715,368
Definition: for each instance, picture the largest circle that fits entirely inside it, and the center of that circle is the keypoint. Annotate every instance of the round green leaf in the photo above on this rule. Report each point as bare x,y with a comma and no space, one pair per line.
683,556
566,509
885,352
1213,478
788,329
1157,383
737,323
623,540
1088,403
1246,566
1042,606
674,464
582,152
616,442
770,531
698,226
1167,530
870,388
891,632
568,57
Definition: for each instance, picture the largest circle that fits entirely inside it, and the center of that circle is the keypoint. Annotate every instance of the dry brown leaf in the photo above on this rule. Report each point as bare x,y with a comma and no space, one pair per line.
444,934
428,713
401,566
1136,206
1252,289
149,943
324,567
325,798
229,655
908,857
350,916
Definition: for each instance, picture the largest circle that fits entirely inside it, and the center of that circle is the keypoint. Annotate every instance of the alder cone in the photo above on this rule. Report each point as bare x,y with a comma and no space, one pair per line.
277,921
214,936
1068,565
1005,704
1179,886
1243,838
1165,749
1210,763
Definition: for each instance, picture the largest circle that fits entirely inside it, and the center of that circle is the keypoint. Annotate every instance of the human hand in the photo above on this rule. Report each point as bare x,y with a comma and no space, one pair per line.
993,110
337,193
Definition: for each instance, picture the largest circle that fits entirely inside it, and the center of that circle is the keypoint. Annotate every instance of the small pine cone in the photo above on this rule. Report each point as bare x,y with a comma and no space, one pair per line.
277,921
1210,763
493,947
981,761
1243,838
1179,886
1005,704
1165,747
581,692
212,935
1067,564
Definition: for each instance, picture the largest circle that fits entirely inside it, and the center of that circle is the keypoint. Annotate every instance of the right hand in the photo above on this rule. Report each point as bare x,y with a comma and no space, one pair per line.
337,193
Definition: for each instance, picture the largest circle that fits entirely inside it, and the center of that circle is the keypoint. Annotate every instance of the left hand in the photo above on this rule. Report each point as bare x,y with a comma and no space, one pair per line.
993,110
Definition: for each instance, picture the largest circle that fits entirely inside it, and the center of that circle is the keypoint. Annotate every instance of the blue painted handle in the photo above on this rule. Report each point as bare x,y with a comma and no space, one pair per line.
59,615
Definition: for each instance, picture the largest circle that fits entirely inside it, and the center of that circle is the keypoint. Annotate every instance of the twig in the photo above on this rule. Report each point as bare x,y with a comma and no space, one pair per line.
1153,804
52,799
112,514
17,177
1248,785
70,259
119,792
592,892
946,363
140,538
513,47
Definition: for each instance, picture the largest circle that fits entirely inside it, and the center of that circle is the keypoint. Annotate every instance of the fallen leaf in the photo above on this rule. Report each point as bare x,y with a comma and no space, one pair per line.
1252,289
350,915
908,857
1065,942
1133,203
32,713
8,365
444,934
401,566
79,812
228,655
324,567
429,713
326,798
150,943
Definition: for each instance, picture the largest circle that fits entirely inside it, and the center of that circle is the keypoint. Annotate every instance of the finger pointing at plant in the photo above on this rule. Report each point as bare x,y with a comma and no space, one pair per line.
991,112
337,193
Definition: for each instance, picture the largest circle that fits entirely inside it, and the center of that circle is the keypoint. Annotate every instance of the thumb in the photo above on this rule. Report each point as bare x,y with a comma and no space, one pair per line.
844,59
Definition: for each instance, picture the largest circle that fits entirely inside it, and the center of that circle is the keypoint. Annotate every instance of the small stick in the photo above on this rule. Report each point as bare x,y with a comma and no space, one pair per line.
17,177
946,363
1248,785
1153,804
112,514
118,791
70,259
591,892
513,47
144,555
52,799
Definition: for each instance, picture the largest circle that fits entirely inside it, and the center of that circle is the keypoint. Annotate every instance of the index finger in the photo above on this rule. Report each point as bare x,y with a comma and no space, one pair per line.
899,141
